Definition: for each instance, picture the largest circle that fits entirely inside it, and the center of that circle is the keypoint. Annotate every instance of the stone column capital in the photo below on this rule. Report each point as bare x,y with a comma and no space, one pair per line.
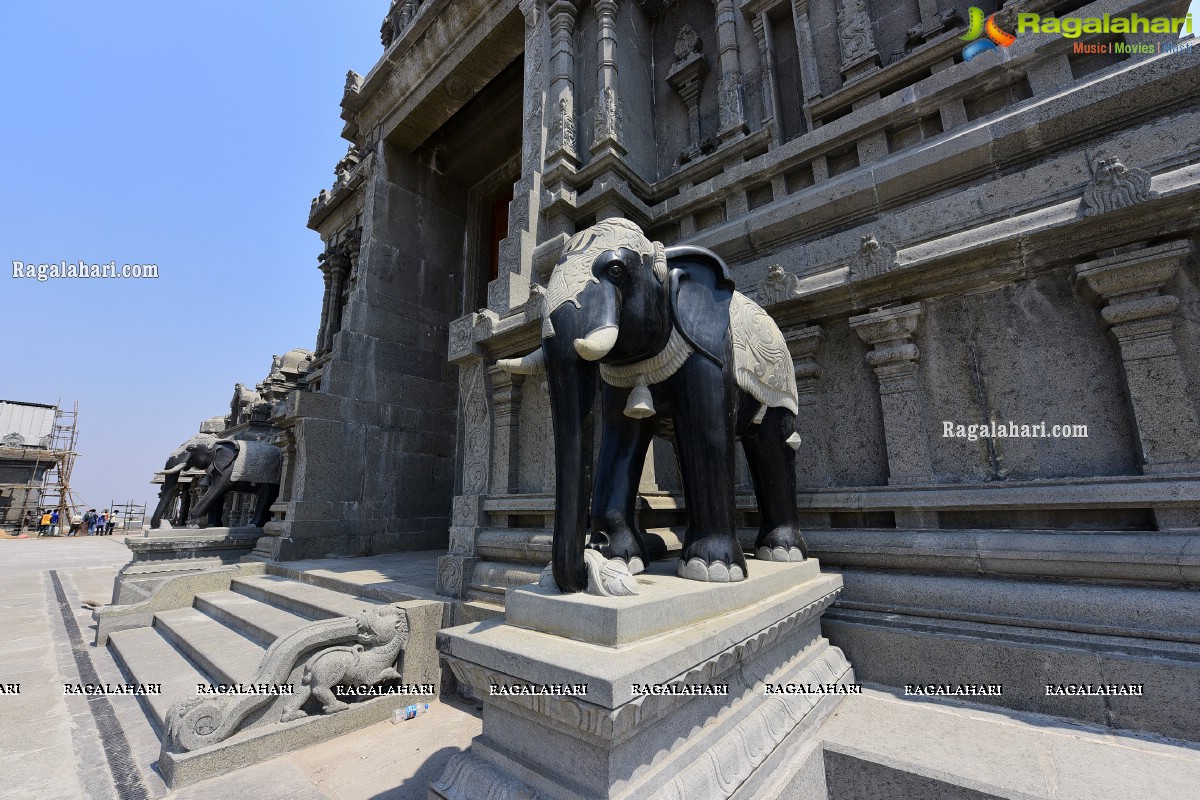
804,344
1134,274
888,325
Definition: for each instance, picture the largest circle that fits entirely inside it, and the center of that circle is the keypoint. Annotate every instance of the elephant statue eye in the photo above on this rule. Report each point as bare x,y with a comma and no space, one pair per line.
615,271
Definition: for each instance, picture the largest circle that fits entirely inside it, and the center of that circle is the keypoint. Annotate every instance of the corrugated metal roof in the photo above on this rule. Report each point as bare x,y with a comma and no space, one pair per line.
25,424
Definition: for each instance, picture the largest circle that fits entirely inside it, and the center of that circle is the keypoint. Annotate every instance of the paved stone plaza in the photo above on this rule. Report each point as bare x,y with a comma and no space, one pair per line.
56,749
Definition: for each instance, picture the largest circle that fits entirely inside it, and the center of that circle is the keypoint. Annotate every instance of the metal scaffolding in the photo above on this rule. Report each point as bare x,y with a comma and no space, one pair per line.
56,482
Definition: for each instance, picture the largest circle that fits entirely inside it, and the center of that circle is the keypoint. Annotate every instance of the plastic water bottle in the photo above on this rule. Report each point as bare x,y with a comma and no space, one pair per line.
409,712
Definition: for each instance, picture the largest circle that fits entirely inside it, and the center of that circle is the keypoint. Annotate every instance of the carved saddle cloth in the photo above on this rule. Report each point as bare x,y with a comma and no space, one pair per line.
256,462
760,356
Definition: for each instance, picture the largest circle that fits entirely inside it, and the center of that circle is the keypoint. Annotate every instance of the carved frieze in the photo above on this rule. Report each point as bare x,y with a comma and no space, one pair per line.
854,33
779,285
1115,186
874,257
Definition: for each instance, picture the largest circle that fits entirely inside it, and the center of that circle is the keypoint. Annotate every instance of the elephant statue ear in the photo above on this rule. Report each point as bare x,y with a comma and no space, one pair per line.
699,287
225,452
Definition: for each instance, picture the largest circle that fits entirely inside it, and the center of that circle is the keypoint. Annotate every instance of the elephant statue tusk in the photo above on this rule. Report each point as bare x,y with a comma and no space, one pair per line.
527,365
596,344
176,469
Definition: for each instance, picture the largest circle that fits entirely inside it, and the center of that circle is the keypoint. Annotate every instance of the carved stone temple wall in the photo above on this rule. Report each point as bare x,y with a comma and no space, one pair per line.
1011,239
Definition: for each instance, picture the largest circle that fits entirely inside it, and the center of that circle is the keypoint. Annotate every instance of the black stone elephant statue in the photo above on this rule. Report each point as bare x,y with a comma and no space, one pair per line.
677,353
233,465
171,488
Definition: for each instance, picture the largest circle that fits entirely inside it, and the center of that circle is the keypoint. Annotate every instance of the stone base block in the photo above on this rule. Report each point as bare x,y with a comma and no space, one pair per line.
162,554
724,704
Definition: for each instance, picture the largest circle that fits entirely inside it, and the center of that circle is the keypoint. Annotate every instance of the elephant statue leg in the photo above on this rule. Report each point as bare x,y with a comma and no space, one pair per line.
772,463
210,505
623,446
185,506
703,396
263,499
166,496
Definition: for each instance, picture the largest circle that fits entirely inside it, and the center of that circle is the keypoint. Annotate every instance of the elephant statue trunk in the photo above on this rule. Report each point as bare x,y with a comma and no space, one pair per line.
572,382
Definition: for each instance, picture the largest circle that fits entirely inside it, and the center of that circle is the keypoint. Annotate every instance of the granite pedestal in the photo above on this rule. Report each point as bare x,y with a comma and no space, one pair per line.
673,693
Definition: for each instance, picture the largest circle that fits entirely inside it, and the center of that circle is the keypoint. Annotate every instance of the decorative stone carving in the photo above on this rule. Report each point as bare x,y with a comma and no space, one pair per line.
854,33
609,119
778,286
687,43
874,257
686,77
462,332
606,122
562,128
382,635
1114,186
477,428
607,577
729,89
729,100
359,651
353,82
399,15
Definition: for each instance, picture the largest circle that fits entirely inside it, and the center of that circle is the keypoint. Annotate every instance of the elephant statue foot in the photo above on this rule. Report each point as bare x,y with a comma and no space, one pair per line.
781,544
714,559
624,545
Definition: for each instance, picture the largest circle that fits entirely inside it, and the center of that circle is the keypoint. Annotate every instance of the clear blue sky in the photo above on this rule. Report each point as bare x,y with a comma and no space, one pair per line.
191,136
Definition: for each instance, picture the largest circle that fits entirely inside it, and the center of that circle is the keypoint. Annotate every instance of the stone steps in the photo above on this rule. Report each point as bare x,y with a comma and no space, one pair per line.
222,653
252,618
146,657
301,599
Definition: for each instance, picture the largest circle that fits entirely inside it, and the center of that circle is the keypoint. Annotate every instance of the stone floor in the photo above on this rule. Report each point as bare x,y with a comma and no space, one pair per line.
877,746
54,748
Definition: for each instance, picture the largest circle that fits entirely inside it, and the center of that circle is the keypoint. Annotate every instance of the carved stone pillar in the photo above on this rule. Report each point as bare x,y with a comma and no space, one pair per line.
561,123
323,329
729,90
606,133
770,83
857,38
511,288
455,568
686,77
1140,318
339,268
809,78
812,459
506,411
895,361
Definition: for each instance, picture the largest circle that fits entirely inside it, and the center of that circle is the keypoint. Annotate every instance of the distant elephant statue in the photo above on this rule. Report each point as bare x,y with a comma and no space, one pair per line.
678,353
171,487
233,465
